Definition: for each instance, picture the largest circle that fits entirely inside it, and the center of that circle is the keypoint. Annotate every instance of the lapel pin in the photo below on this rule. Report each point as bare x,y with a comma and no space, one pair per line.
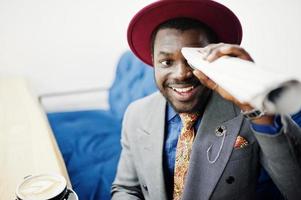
220,131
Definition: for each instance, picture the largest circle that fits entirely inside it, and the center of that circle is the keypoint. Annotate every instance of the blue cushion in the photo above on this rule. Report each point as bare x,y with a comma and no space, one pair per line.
90,140
133,80
90,145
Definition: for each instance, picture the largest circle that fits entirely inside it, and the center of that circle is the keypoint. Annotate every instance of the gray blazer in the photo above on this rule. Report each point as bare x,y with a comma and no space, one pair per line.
140,169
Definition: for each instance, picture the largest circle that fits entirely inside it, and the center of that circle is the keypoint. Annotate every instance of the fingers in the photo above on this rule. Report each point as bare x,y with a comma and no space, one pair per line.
208,50
214,51
205,80
213,86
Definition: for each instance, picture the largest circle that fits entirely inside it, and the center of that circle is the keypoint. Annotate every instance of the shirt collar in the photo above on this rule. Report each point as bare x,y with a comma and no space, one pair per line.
171,113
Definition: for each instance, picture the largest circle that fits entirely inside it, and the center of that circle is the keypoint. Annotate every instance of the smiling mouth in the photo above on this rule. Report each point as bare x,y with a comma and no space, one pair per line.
184,93
183,90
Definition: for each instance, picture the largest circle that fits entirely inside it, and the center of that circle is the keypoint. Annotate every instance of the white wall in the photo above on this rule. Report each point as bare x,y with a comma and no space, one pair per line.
74,44
63,44
271,32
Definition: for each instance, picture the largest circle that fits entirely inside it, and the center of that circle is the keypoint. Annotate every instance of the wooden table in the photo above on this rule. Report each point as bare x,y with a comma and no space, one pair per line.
27,144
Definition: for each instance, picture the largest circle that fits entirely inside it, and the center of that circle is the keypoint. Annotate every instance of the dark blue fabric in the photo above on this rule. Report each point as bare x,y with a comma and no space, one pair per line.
90,140
275,128
269,129
297,118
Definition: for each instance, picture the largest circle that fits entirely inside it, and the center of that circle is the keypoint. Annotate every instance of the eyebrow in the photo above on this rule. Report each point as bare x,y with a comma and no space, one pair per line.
164,53
199,44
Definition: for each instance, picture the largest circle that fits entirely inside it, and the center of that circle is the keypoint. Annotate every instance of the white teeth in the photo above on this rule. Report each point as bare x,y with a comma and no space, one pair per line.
183,89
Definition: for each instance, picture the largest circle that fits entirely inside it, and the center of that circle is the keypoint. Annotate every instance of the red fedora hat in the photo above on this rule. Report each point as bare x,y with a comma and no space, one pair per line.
215,15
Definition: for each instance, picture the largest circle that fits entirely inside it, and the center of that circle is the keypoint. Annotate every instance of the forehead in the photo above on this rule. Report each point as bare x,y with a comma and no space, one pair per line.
174,38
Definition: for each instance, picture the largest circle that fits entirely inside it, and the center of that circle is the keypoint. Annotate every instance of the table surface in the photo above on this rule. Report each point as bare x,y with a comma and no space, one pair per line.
27,144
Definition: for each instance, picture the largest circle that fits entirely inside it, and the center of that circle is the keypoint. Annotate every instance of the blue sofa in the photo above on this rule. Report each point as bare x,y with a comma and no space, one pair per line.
90,140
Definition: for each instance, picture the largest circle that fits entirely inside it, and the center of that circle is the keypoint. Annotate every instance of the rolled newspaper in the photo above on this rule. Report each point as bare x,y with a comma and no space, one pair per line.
274,93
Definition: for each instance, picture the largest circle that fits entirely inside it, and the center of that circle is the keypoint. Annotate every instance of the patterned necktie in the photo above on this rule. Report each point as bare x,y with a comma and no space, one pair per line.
183,151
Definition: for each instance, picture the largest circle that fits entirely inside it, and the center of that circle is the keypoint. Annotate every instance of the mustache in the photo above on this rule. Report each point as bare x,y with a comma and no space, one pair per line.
192,81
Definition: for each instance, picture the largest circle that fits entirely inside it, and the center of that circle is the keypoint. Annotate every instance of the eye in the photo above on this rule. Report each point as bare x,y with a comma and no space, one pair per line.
166,63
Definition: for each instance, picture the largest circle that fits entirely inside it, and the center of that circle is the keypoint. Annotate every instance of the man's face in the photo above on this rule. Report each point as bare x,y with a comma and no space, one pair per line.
173,75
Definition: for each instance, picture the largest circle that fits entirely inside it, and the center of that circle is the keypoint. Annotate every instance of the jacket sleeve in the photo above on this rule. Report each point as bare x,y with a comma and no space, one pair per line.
126,184
281,157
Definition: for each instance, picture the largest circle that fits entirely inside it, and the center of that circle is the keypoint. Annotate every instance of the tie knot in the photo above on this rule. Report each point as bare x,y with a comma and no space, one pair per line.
188,119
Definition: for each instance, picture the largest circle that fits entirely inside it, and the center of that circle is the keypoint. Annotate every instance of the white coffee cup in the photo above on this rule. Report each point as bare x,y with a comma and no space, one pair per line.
44,187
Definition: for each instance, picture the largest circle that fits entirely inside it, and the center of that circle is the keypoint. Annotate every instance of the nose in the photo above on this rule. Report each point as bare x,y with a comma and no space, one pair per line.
184,71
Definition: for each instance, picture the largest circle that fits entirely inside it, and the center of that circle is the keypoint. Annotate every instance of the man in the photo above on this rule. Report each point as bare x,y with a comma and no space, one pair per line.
191,140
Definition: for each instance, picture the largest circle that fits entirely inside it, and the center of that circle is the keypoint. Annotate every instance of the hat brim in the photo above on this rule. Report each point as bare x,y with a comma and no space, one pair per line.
216,16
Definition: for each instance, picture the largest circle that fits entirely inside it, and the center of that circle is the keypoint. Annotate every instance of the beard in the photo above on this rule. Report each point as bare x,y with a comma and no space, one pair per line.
196,104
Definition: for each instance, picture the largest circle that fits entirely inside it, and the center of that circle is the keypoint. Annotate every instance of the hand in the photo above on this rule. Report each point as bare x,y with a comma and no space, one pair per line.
215,51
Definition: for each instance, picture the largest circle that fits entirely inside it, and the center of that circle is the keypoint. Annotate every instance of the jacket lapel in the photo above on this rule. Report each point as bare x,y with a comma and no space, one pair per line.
203,175
153,139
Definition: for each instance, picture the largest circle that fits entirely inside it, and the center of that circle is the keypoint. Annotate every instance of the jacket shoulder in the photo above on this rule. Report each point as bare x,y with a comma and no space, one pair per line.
144,105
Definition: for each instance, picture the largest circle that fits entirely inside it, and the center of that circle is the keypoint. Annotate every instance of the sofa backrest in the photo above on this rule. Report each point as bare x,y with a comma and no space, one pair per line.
133,80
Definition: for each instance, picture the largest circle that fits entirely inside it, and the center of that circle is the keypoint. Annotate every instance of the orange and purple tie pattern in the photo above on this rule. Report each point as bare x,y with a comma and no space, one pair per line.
183,152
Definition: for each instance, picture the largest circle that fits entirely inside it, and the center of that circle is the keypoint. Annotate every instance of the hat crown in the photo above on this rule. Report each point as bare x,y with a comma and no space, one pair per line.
220,19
